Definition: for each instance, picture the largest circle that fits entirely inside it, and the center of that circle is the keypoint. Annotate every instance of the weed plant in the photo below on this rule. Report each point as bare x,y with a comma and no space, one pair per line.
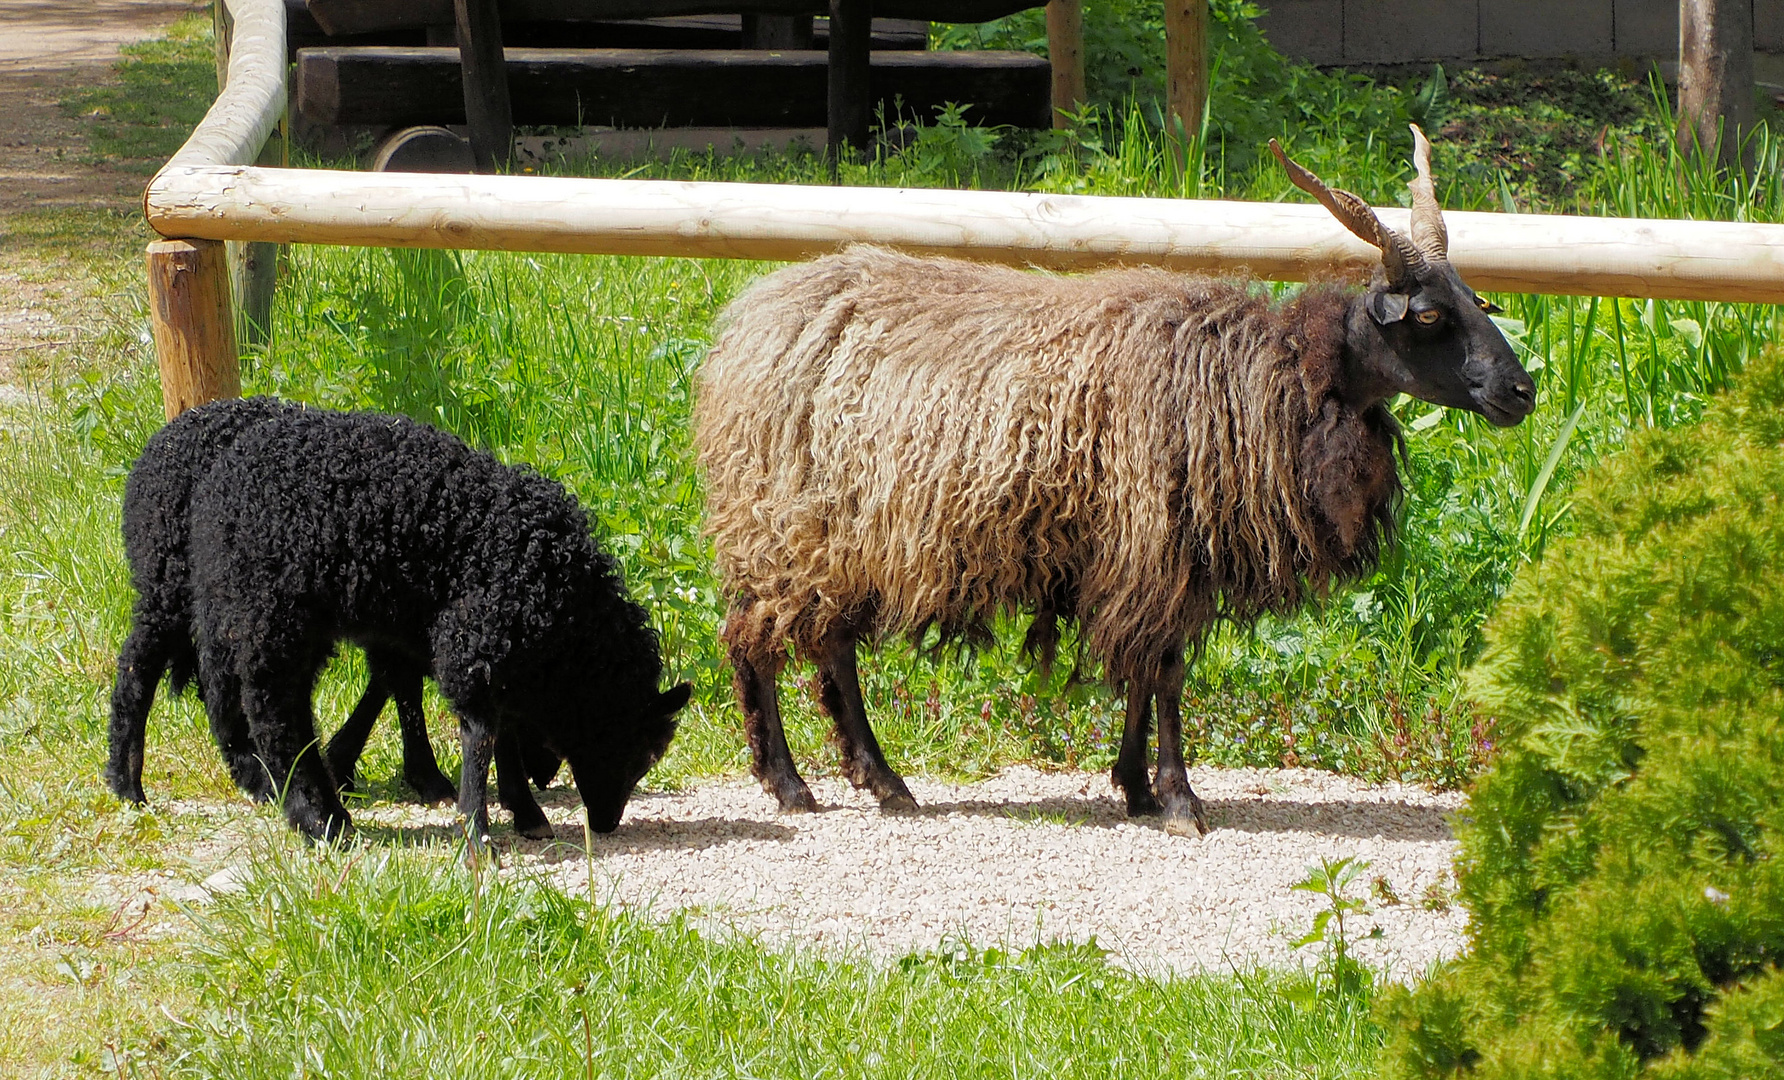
393,962
1621,858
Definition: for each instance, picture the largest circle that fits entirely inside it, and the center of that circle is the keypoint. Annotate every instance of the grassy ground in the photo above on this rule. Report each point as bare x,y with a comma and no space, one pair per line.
581,367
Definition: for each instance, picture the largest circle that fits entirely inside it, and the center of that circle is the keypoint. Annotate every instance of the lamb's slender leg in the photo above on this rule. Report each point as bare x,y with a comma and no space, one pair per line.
542,763
511,787
478,739
276,698
345,748
770,759
1130,765
141,663
1183,811
839,692
229,724
420,768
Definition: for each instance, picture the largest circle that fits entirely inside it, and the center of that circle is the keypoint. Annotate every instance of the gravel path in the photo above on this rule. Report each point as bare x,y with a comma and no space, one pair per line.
1023,857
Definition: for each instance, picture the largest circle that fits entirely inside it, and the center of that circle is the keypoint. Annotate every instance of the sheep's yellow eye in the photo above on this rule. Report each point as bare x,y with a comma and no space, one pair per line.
1430,318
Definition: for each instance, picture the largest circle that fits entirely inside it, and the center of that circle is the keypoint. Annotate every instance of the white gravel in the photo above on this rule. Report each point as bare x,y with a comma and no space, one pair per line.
1023,857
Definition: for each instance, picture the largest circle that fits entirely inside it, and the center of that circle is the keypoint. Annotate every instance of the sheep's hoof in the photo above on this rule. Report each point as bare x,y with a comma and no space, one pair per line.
433,790
899,802
1141,804
536,830
1184,824
797,801
126,790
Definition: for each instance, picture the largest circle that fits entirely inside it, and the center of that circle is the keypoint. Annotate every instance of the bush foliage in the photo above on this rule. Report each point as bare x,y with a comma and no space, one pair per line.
1621,856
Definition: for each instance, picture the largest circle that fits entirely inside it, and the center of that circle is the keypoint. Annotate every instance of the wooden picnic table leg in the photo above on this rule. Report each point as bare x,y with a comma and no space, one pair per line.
851,74
487,109
193,324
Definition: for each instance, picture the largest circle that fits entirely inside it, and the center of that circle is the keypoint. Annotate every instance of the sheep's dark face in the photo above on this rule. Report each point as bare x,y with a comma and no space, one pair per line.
608,768
1436,343
1419,329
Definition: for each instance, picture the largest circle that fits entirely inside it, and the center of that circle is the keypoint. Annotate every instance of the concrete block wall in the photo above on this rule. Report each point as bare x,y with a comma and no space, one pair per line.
1406,31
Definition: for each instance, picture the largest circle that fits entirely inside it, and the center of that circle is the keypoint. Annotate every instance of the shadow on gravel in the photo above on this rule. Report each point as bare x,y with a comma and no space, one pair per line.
1390,821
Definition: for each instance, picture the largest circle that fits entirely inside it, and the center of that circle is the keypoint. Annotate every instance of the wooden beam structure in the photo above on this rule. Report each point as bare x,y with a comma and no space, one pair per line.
1690,260
652,88
1186,63
484,75
1715,77
371,16
849,91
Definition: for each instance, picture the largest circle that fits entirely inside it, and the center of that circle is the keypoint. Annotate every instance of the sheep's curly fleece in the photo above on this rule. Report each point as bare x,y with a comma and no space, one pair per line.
920,443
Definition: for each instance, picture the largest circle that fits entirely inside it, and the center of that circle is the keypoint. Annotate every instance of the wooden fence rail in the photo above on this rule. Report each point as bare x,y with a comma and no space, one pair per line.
209,193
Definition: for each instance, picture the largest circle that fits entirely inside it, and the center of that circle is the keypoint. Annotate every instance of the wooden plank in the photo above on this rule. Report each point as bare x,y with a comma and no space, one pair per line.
850,77
189,313
1687,260
238,123
371,16
1715,77
1065,52
484,77
658,88
776,31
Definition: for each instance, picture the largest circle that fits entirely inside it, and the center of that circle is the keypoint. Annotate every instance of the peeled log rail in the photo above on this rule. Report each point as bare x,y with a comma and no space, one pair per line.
662,87
369,16
1687,260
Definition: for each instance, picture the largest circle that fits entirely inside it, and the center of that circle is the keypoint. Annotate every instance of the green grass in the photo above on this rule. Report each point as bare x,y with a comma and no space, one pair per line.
164,87
395,963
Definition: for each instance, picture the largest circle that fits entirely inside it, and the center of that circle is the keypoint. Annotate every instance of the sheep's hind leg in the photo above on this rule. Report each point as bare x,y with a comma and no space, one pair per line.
420,768
345,748
511,787
1130,769
277,704
229,724
839,692
141,663
1183,812
770,759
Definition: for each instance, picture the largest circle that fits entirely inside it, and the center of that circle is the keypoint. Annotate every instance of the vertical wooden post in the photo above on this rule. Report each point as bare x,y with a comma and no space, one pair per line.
194,327
487,109
1186,63
1065,51
1715,76
851,74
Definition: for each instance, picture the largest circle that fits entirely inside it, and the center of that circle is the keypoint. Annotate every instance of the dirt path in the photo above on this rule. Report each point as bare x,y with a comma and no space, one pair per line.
50,49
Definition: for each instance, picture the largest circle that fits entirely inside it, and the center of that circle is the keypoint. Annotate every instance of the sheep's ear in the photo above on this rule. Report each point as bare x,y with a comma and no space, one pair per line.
1387,307
672,700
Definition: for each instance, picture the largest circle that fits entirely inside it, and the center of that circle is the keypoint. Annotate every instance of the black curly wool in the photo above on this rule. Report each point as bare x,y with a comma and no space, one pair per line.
312,527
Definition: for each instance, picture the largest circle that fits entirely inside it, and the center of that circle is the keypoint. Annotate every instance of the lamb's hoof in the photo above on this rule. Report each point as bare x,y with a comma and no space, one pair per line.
130,792
330,830
535,830
1186,818
434,790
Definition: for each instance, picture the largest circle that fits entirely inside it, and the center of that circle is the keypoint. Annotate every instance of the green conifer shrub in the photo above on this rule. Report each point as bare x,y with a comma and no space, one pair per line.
1621,856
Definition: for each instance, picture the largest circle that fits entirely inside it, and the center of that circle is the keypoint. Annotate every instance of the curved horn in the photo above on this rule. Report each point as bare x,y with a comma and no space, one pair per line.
1428,232
1398,255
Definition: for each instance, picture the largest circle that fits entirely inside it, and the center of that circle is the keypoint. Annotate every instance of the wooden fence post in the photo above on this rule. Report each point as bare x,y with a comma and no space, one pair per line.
194,326
1186,63
1065,51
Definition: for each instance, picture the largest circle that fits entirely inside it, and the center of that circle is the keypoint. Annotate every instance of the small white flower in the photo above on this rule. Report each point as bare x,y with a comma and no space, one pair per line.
1714,895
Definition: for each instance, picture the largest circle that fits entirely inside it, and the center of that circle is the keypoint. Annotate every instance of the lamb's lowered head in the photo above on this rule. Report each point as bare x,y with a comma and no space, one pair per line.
1418,328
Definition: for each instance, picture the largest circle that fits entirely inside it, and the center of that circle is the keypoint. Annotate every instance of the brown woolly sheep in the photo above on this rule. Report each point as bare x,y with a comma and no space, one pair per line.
894,444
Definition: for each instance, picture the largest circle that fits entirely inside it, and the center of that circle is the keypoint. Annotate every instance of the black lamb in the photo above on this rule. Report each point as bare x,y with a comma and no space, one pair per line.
156,532
314,527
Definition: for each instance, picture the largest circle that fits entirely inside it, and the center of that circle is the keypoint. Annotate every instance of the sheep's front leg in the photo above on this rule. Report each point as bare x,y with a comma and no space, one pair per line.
478,740
1130,772
511,786
229,724
770,760
839,692
1183,812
